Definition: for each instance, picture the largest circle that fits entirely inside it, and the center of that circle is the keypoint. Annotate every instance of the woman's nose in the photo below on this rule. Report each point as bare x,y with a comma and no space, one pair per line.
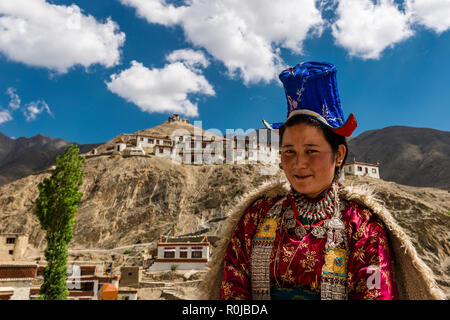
300,161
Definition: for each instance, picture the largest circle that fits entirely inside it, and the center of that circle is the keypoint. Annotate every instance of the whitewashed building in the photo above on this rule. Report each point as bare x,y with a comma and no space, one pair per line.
163,151
148,141
182,253
356,168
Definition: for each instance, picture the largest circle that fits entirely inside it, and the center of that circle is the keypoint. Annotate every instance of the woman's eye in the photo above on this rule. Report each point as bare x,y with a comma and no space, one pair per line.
288,152
311,151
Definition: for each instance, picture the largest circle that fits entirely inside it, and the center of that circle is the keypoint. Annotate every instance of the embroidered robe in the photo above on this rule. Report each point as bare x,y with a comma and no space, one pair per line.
297,263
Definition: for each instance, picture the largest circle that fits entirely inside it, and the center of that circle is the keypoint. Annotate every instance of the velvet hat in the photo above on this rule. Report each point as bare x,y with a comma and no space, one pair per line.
311,90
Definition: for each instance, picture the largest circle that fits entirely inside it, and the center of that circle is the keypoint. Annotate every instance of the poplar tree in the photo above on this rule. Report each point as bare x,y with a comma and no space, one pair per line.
56,208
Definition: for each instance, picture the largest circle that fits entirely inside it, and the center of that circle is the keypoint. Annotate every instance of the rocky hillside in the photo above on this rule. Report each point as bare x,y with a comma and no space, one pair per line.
134,199
407,155
130,200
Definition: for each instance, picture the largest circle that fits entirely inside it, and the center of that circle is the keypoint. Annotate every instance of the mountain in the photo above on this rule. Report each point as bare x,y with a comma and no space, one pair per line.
23,156
411,156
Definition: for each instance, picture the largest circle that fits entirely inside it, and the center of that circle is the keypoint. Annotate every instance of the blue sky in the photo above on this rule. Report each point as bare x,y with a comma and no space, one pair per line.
94,69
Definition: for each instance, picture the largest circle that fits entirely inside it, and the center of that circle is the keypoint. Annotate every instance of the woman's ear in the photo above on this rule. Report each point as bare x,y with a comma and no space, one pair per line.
340,154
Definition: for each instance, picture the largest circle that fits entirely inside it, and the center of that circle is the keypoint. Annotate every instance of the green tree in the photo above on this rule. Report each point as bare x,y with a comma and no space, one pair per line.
56,208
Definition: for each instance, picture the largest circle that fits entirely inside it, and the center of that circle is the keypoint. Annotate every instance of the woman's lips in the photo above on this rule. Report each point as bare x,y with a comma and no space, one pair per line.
302,177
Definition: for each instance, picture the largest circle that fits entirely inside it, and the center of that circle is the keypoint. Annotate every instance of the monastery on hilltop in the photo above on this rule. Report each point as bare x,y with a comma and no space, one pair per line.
182,142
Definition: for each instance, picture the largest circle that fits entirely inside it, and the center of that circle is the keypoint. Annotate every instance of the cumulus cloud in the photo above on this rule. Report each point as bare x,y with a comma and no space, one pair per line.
162,90
247,36
190,58
365,29
57,37
433,14
5,116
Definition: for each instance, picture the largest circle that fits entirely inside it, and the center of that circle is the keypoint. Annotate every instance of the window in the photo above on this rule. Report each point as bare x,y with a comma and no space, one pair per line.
150,141
359,168
374,170
367,170
142,139
161,150
183,252
10,240
87,286
11,252
169,252
197,252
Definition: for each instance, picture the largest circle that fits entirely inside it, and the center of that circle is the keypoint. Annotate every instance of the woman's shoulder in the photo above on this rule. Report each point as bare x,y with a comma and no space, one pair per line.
360,216
263,204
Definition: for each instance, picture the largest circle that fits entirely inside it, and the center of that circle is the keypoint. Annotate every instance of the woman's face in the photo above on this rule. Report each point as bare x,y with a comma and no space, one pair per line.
308,160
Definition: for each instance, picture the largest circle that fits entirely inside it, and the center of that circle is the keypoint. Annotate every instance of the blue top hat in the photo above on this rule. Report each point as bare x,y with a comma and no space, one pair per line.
311,90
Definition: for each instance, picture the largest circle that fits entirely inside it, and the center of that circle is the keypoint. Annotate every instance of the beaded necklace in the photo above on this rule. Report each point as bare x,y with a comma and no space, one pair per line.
314,210
302,207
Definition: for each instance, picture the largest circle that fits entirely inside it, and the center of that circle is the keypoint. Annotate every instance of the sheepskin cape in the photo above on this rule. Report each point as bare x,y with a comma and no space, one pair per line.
414,278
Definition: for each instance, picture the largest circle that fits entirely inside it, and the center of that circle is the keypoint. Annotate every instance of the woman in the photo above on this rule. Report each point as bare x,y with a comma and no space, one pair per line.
314,239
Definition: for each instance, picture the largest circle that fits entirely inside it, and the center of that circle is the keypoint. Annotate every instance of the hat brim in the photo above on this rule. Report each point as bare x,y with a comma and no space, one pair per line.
345,130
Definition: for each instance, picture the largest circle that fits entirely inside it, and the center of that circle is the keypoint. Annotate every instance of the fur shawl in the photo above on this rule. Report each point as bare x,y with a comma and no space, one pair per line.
414,278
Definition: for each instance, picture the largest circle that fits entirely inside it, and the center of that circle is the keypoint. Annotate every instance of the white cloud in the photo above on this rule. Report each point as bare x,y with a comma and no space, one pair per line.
245,35
14,102
35,108
190,58
365,29
433,14
5,116
161,90
57,37
31,110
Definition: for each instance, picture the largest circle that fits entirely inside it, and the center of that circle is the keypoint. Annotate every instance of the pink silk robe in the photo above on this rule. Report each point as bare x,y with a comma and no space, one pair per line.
299,263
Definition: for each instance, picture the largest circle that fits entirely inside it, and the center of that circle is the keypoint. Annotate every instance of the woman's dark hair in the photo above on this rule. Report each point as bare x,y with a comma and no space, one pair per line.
333,139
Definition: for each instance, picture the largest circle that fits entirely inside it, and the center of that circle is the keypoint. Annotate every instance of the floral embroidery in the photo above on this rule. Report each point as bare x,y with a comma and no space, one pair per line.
359,254
310,261
287,277
372,294
327,116
226,289
292,104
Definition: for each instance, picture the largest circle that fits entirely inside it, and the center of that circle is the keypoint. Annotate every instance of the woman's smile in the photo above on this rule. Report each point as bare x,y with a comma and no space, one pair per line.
302,177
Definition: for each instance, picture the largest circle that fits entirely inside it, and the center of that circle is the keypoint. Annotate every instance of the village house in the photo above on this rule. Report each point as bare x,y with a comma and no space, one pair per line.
12,246
357,168
16,278
85,281
181,253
